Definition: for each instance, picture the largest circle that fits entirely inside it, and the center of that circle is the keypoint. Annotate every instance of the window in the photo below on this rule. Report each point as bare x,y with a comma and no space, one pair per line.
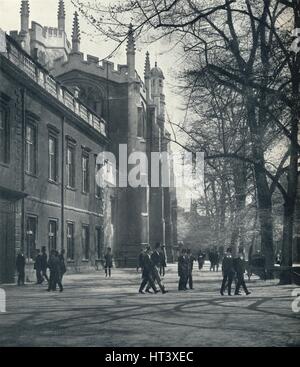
52,235
31,149
52,159
86,242
70,241
99,243
98,189
70,165
31,236
85,172
141,122
4,136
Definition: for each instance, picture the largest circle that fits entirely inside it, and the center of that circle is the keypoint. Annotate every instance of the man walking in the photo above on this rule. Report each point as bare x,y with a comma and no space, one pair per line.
147,275
239,265
183,270
20,265
156,260
163,263
108,262
228,272
191,260
38,267
140,260
55,272
63,268
44,264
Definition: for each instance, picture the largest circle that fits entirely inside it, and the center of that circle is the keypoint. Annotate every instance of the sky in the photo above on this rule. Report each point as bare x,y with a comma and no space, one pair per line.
169,58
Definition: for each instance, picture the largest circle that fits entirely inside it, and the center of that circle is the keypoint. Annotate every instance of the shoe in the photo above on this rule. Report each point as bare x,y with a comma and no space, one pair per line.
229,294
156,291
247,294
61,290
222,294
148,291
164,291
48,290
141,292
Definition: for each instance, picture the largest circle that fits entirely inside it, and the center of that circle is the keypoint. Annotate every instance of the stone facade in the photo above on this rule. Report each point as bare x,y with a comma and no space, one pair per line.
62,94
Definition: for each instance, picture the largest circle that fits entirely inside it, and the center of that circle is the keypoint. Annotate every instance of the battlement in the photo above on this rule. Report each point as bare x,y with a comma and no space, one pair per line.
91,65
49,36
42,77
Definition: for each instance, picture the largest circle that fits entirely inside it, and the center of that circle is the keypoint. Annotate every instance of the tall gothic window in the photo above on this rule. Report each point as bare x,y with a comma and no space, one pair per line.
31,149
52,158
85,172
70,163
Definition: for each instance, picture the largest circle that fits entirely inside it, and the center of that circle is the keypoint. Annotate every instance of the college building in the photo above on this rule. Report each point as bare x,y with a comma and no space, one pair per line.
58,111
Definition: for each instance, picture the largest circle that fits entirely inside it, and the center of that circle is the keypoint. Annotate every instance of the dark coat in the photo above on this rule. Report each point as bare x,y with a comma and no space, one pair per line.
108,260
20,263
183,265
54,265
227,265
156,258
148,266
63,268
239,266
44,261
163,259
38,263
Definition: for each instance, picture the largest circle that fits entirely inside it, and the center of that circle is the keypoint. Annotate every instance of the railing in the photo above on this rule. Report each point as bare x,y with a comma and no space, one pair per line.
47,82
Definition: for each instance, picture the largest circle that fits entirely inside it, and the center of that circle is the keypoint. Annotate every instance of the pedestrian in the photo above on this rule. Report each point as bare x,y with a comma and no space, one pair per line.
228,272
211,259
163,263
140,260
147,274
55,271
201,258
108,258
63,268
183,270
239,266
38,267
216,260
20,266
44,264
156,260
191,259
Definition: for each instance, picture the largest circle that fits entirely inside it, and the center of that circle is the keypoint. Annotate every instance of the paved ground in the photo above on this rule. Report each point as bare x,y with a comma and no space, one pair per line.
94,311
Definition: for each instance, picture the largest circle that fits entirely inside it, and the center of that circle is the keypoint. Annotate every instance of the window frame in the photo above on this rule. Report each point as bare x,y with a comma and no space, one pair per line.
32,124
85,174
85,249
54,136
70,223
71,145
53,220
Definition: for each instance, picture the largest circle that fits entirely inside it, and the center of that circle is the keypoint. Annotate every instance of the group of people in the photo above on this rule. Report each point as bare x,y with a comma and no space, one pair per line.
55,264
153,266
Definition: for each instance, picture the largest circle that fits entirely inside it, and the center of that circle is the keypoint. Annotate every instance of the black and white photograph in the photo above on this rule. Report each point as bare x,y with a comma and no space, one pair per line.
149,176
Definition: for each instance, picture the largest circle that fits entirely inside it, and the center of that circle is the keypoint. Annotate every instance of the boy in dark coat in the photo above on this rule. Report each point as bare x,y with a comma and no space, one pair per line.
191,259
44,264
20,265
228,272
183,270
239,266
38,267
54,265
147,275
108,262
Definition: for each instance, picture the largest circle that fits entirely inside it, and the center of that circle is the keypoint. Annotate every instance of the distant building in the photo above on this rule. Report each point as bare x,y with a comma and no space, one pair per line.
58,112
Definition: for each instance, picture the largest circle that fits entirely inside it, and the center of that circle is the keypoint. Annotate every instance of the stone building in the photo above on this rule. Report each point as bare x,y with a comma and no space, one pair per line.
59,110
